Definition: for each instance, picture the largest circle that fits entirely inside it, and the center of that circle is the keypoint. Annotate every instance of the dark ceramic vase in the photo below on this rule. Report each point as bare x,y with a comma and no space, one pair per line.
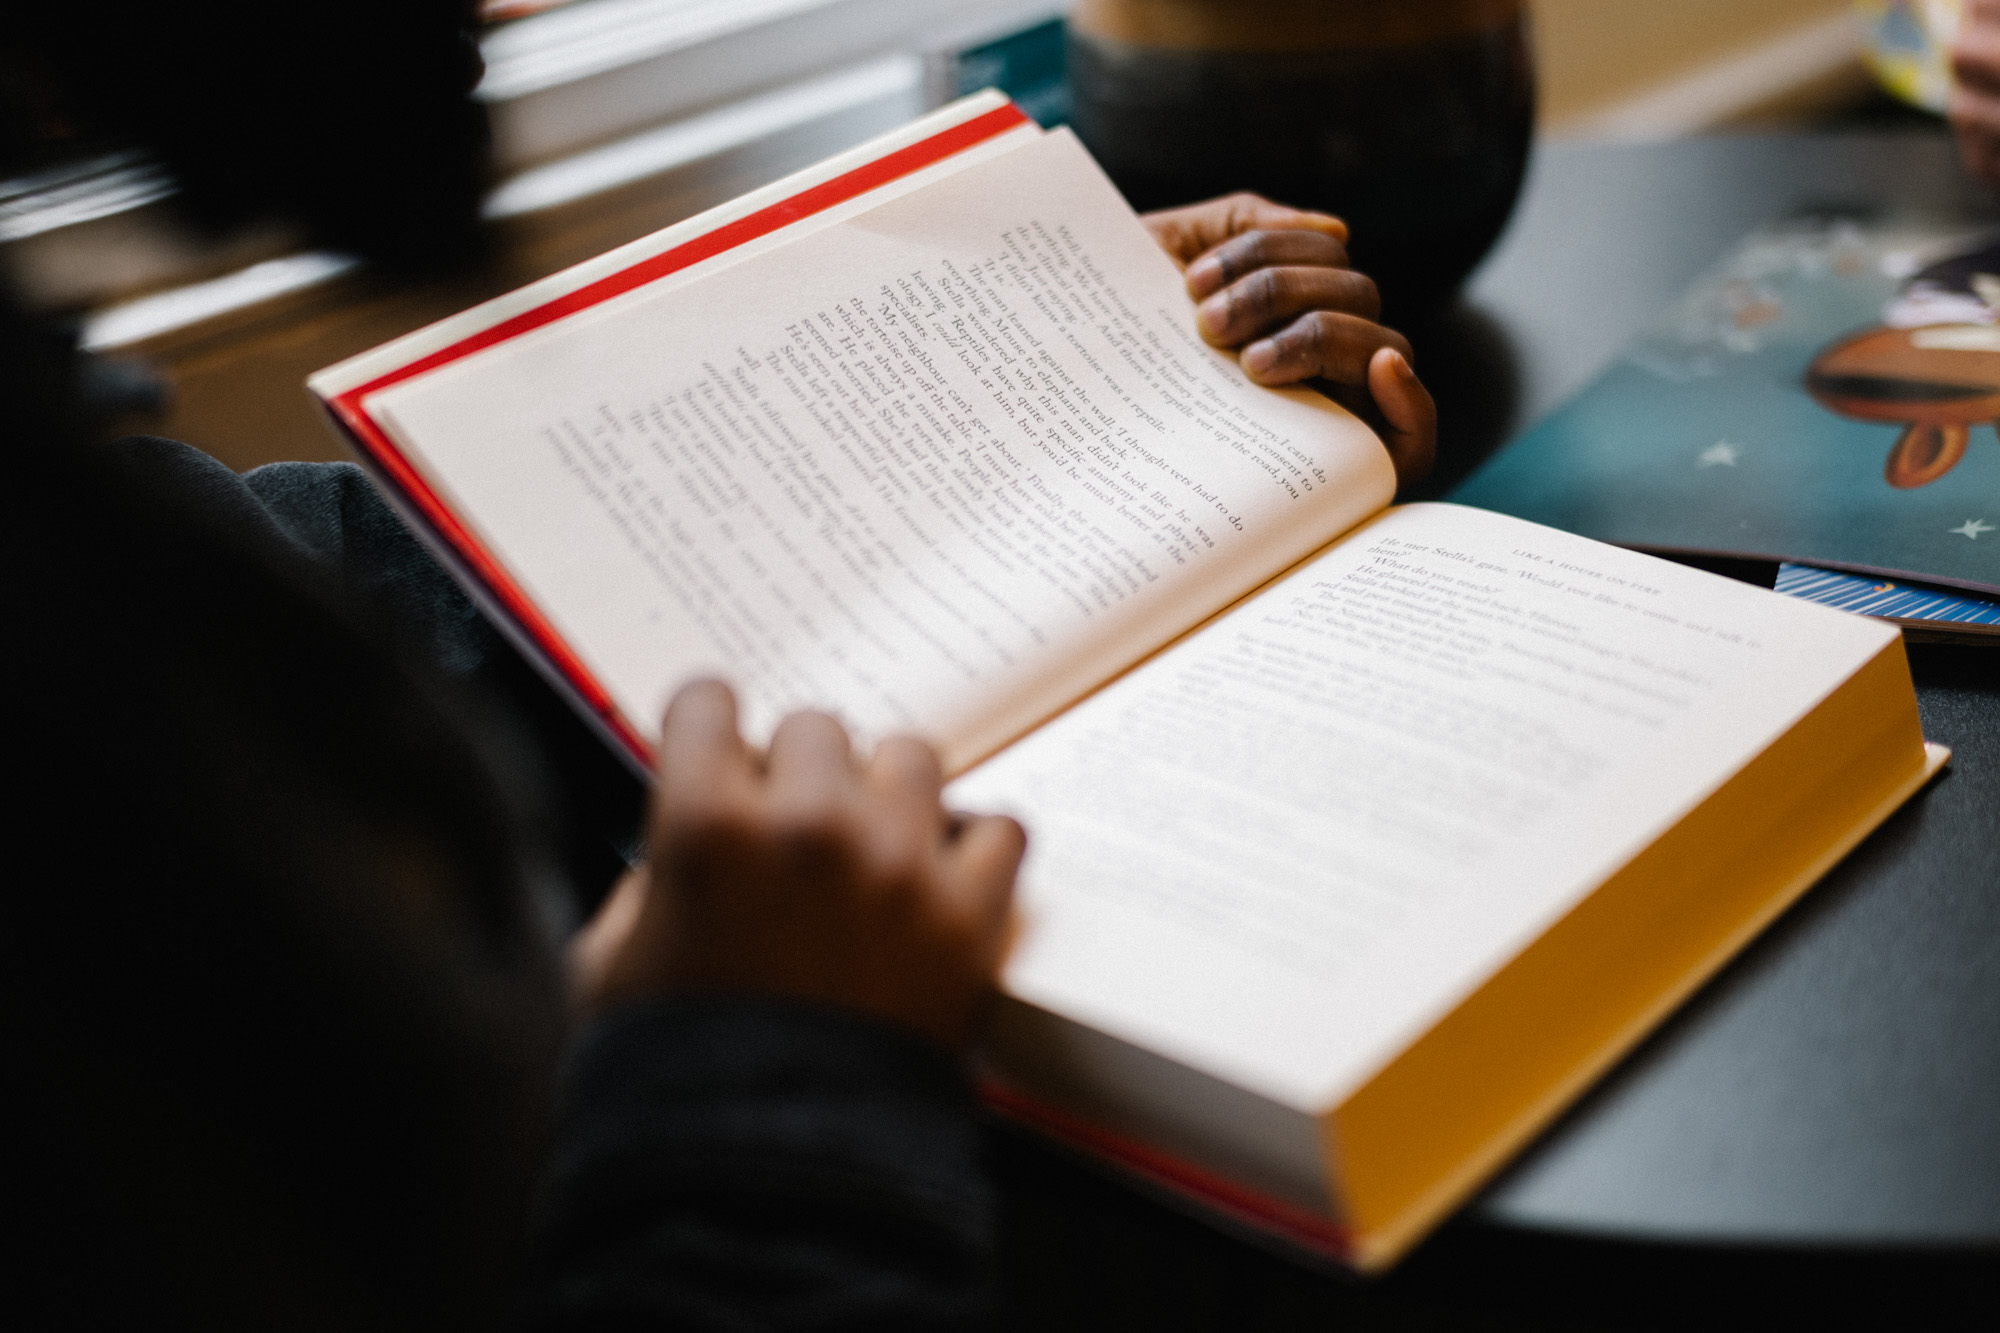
1411,119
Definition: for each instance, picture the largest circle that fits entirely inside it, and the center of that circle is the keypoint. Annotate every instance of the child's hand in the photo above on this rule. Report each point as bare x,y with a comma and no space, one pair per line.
1275,282
1975,97
807,873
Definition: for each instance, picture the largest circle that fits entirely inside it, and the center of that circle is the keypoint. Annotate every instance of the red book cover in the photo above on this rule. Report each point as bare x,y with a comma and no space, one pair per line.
344,390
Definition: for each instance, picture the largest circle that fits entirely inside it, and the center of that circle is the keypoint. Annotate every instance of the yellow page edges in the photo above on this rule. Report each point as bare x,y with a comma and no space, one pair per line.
1429,1129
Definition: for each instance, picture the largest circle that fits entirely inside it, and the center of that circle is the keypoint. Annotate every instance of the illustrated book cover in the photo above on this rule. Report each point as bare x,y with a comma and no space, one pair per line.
1825,396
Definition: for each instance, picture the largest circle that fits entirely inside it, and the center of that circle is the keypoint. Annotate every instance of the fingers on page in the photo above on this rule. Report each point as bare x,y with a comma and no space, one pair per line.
1320,345
1245,254
1188,232
906,826
703,762
1272,297
810,791
1409,411
1244,211
983,861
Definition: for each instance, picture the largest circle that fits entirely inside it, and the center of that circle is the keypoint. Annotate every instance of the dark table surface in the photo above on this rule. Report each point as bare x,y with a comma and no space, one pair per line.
1818,1134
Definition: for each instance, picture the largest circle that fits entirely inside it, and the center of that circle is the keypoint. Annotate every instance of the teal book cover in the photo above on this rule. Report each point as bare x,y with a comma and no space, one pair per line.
1825,396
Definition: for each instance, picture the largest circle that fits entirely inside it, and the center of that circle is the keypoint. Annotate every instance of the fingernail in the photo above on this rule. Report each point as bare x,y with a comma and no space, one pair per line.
1401,364
1204,276
1260,357
1212,315
1330,224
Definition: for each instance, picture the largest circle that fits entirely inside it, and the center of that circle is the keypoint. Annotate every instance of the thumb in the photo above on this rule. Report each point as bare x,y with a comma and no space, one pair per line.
1407,410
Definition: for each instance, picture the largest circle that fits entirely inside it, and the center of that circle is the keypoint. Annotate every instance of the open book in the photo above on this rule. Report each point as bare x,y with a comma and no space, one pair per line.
1362,838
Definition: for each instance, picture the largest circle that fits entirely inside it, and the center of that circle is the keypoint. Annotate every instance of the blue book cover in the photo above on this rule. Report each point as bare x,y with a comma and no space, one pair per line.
1913,606
1825,396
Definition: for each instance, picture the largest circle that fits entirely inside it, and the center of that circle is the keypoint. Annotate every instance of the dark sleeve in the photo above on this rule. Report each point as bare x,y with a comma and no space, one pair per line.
332,515
327,521
759,1164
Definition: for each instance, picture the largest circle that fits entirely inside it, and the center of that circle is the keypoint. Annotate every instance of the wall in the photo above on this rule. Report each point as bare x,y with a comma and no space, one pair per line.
1731,58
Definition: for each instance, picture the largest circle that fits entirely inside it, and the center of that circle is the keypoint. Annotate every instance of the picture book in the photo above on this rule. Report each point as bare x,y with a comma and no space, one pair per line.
1825,396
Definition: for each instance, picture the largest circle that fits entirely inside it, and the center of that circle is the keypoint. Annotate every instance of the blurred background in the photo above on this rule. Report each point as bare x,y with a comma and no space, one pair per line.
613,118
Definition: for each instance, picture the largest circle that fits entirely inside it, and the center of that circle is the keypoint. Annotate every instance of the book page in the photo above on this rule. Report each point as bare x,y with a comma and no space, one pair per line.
941,468
779,194
1282,848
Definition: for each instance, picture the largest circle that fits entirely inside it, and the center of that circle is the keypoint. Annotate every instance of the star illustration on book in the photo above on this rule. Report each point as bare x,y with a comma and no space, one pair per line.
1972,527
1722,453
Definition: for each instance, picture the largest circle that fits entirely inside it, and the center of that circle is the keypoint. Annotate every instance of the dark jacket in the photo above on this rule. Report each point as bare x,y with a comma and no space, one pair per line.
295,840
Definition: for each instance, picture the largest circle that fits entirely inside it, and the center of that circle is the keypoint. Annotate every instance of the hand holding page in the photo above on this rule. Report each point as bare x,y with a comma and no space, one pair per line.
942,468
1332,900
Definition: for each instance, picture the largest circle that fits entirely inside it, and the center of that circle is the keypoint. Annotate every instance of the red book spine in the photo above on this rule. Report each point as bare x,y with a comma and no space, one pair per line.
1253,1211
350,411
